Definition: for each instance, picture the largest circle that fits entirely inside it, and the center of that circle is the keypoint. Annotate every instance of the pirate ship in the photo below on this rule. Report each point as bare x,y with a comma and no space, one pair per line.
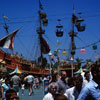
12,61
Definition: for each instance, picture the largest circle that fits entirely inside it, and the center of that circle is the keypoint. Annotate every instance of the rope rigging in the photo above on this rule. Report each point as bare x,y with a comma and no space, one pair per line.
63,19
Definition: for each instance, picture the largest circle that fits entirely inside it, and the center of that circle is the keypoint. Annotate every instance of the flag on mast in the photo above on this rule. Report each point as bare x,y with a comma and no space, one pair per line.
8,41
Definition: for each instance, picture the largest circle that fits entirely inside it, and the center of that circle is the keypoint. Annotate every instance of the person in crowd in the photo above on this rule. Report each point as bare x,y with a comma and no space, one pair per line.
4,88
11,94
52,90
30,80
0,84
62,82
11,84
36,82
71,82
1,79
55,76
40,81
45,78
91,91
22,87
60,96
16,82
87,77
73,92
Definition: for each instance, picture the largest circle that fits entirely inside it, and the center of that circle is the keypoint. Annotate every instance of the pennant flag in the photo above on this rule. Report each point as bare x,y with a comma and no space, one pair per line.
8,41
44,45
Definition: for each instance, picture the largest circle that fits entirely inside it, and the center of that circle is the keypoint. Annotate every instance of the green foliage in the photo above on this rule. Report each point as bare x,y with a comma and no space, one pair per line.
44,63
79,62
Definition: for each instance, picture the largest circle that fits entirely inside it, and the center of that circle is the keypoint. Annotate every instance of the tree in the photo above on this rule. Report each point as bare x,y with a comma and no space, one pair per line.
88,63
79,62
44,63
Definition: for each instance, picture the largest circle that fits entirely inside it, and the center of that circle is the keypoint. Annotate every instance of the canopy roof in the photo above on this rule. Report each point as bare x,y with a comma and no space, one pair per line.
16,71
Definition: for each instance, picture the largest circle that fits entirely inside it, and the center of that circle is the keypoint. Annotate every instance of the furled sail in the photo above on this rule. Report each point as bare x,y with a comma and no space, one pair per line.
44,45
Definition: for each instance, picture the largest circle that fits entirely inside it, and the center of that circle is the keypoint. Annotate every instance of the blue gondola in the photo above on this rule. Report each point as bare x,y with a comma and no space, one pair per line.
80,27
59,30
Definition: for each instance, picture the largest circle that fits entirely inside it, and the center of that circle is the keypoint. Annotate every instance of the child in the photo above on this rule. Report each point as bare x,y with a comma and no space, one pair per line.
22,87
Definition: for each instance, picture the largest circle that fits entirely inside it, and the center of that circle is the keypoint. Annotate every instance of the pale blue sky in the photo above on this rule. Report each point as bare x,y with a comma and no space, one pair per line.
25,13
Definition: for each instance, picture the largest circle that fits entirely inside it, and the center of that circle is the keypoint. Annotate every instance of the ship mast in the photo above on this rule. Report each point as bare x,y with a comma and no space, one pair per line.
40,28
40,31
76,22
5,24
73,34
6,27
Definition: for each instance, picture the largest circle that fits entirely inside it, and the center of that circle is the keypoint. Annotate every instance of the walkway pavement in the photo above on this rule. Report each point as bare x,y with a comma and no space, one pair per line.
37,95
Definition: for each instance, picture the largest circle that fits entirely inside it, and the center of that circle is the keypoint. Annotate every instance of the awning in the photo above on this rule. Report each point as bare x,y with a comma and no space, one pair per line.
16,71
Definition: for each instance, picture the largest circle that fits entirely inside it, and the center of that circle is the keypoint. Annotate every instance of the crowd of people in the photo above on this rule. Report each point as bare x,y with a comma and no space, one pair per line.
76,87
61,87
16,82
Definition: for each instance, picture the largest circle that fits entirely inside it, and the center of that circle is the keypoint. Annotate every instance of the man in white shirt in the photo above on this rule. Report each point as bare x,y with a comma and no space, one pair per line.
30,80
73,92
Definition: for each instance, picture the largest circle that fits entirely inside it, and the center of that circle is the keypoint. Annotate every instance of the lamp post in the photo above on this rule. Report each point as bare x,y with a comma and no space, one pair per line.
50,54
72,64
